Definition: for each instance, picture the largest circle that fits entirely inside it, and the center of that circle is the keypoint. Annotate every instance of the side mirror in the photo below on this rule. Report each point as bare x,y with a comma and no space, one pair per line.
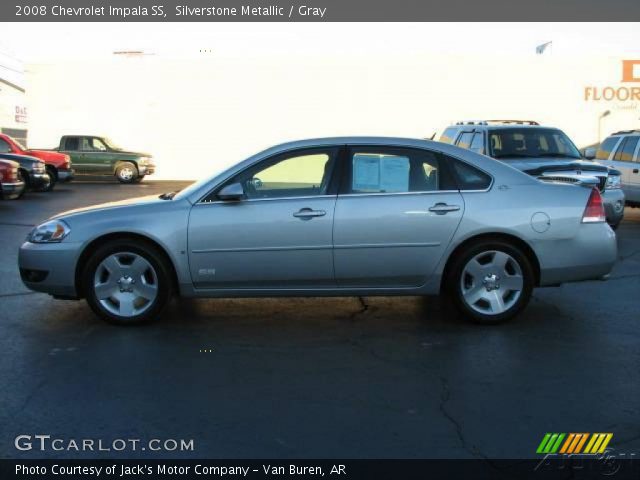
233,191
590,153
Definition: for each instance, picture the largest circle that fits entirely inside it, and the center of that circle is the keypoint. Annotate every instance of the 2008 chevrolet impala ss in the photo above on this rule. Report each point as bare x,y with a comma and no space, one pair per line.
331,217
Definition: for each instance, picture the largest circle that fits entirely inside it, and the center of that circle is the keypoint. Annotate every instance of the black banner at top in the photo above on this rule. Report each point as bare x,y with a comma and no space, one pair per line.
318,10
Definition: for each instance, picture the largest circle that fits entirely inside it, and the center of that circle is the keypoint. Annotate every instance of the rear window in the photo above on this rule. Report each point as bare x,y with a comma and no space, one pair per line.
512,143
605,149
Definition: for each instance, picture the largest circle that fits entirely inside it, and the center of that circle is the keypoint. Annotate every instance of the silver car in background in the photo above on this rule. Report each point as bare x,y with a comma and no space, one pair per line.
331,217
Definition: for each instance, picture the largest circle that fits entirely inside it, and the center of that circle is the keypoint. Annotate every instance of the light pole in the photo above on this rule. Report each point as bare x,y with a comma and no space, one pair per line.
602,115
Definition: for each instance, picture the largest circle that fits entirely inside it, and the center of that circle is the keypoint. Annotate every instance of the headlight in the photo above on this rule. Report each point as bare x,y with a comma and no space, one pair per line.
613,181
144,160
49,232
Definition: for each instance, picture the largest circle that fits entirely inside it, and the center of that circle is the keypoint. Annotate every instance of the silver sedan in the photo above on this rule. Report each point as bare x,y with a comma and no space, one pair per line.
330,217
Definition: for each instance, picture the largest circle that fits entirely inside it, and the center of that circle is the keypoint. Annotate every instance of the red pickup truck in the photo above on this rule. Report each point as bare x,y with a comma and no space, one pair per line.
58,164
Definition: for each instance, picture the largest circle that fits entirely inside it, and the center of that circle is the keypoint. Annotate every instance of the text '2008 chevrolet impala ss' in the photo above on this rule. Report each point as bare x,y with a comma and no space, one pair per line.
331,217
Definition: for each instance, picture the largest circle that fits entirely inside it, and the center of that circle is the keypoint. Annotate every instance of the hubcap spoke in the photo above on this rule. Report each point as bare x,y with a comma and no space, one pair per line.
474,268
106,290
512,282
496,301
474,294
127,307
499,261
146,291
112,264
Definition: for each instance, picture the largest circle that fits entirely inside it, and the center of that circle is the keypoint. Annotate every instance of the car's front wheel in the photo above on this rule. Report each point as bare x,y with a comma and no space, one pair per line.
491,282
126,172
53,179
127,282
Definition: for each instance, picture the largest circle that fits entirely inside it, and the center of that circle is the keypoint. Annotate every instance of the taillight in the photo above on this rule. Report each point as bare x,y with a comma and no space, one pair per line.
594,211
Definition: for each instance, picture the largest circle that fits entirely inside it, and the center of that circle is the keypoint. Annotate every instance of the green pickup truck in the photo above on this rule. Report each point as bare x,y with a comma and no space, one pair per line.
93,155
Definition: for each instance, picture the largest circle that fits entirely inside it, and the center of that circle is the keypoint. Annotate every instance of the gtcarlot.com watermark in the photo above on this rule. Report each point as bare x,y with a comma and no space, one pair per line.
48,443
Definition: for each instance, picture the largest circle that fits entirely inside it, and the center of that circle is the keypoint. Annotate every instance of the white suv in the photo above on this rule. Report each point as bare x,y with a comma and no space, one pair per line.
621,151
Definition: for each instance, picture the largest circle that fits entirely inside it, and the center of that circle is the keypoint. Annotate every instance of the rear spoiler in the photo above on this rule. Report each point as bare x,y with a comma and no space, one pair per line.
583,181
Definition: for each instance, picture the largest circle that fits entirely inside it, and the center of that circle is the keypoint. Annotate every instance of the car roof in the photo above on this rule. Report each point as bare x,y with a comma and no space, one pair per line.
504,126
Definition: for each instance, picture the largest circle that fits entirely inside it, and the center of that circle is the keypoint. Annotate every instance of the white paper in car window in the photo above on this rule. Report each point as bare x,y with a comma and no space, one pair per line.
366,172
394,174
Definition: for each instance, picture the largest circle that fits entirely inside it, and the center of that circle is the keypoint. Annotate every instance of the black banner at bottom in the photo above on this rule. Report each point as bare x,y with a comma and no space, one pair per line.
559,467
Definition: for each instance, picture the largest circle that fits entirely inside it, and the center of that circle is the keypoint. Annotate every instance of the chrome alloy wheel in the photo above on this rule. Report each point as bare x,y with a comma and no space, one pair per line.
125,284
126,174
491,282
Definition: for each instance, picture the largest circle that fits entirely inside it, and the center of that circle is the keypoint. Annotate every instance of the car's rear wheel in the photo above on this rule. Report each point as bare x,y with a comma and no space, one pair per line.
126,172
491,282
127,282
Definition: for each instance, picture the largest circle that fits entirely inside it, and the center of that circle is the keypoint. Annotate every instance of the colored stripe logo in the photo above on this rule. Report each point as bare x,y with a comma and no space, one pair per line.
574,443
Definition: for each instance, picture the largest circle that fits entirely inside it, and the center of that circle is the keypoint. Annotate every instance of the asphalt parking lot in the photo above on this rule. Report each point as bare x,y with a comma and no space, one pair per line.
317,378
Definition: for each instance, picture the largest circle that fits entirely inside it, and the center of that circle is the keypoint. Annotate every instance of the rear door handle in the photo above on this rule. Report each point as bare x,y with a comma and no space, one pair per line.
635,170
443,208
308,213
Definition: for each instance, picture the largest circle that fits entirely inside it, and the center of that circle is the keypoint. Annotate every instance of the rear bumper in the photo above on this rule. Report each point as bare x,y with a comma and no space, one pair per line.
614,205
66,174
11,191
590,255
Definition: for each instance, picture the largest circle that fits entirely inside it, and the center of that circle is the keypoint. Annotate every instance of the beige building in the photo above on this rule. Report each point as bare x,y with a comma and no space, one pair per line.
198,115
13,108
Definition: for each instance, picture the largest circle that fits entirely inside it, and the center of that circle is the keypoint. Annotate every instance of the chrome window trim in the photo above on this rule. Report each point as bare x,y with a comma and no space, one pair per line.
435,151
303,197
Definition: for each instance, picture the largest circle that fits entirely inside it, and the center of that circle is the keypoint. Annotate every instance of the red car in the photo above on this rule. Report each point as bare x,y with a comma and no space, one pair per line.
11,185
58,164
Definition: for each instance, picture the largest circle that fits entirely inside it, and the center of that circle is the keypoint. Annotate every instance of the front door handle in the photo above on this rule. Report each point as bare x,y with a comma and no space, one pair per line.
443,208
308,213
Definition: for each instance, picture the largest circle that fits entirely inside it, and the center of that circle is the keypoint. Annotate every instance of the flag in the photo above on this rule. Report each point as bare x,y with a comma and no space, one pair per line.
541,48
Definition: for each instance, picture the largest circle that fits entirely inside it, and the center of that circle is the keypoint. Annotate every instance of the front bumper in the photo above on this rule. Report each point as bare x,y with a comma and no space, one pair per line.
66,174
37,180
11,191
613,200
147,169
50,267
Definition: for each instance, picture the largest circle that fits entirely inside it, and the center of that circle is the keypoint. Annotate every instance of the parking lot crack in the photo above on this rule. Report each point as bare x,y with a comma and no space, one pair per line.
364,308
445,396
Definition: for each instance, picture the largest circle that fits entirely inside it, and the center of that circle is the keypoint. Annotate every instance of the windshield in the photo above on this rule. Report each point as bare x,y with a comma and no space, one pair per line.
20,146
531,142
110,143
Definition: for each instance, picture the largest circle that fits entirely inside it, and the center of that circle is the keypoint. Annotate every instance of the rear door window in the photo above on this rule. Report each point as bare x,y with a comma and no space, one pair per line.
625,151
396,170
605,149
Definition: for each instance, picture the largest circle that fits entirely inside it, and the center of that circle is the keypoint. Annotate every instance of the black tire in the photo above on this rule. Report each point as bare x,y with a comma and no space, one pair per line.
163,280
127,172
485,249
53,177
24,177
